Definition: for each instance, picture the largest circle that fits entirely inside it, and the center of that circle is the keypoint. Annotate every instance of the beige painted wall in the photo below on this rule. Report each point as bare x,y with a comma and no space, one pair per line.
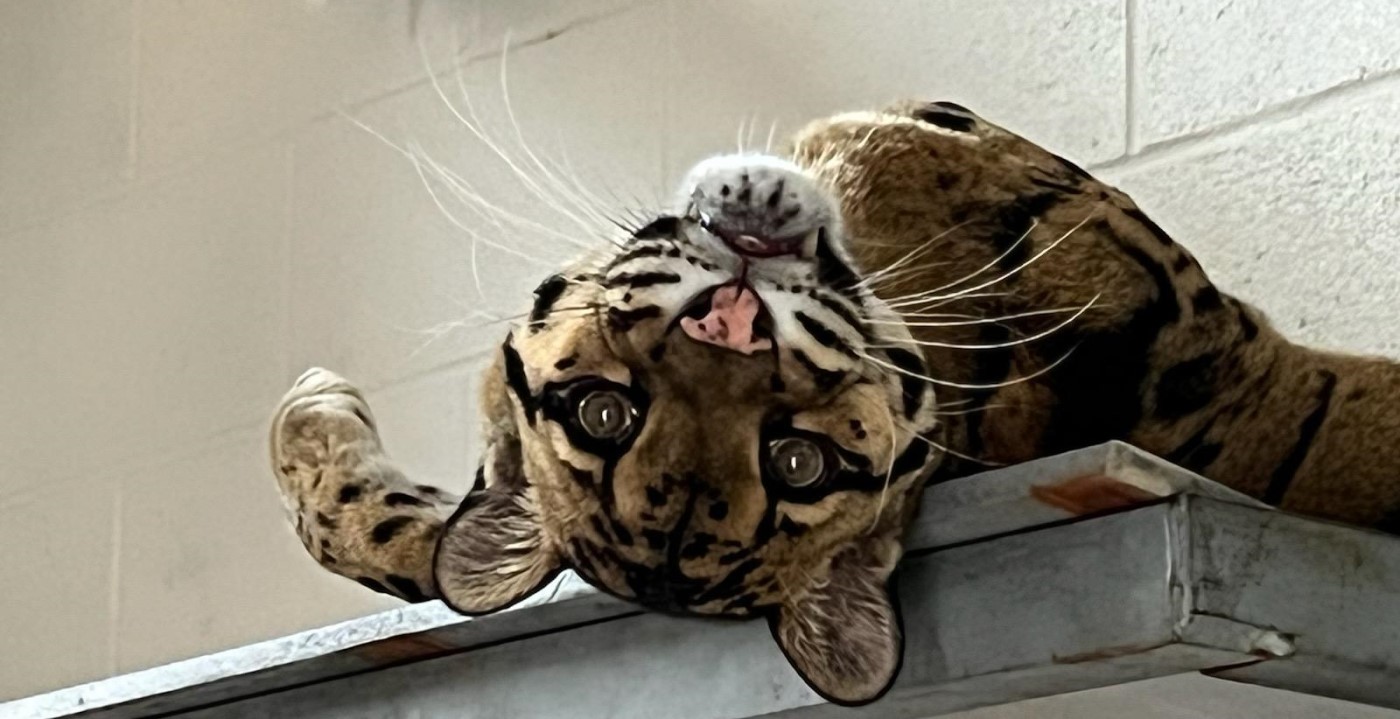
188,219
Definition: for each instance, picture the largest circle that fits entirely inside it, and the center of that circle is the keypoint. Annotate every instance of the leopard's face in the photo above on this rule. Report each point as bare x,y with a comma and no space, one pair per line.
714,420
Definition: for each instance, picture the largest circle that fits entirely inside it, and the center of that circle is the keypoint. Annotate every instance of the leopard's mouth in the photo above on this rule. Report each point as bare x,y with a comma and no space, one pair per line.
752,333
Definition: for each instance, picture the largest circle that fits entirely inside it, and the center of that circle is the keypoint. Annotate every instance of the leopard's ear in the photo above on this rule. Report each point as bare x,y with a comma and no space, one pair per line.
492,552
844,636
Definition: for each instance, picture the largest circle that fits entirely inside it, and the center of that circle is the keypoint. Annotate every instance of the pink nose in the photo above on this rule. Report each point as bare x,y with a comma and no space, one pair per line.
729,323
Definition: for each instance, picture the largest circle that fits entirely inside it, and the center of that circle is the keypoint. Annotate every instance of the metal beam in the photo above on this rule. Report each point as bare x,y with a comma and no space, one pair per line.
1004,599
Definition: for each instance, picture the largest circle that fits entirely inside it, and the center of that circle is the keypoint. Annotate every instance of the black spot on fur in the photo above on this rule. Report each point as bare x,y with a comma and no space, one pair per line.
912,387
1049,184
1181,262
938,115
734,556
665,227
350,493
374,585
396,499
625,320
546,295
1207,299
478,484
824,335
1356,394
1011,221
951,106
407,587
775,383
388,529
913,457
325,521
698,546
732,584
787,526
638,280
840,309
1187,386
602,531
657,352
743,602
1307,432
719,510
639,253
1076,169
518,383
622,534
581,477
1248,328
833,271
1109,365
430,489
825,379
1151,226
566,363
1196,453
777,195
990,368
655,497
656,539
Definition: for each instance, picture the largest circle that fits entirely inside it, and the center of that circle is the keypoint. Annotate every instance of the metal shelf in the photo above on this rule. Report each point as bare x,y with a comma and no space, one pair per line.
1004,599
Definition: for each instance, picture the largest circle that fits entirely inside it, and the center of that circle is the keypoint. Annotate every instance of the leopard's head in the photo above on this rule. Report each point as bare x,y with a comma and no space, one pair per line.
718,418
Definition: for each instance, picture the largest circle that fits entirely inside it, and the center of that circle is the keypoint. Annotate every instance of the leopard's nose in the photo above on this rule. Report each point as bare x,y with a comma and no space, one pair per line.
730,322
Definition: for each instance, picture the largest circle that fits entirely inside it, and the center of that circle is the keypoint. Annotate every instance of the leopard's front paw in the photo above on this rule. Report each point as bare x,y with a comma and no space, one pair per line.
322,419
322,434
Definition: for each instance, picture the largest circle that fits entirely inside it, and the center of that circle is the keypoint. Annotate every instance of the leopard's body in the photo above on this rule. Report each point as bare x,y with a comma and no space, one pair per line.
653,422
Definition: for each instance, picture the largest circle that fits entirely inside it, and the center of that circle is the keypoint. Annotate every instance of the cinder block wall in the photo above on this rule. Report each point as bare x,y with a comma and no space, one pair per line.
188,219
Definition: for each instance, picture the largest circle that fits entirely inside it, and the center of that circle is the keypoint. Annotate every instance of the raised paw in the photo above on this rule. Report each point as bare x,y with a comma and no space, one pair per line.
322,418
758,204
353,510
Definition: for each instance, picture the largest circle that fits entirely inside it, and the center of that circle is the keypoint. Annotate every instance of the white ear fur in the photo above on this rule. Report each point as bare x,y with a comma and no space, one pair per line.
844,637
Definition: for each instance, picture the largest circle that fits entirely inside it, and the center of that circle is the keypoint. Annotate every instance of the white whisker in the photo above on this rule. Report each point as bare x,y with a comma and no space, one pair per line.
1019,267
959,385
955,453
923,247
1013,343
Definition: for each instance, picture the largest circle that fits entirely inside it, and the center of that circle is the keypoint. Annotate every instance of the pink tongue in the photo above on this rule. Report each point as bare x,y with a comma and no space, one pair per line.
730,321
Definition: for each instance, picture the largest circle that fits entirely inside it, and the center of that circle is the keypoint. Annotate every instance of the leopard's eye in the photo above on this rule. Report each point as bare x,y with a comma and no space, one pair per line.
606,414
796,461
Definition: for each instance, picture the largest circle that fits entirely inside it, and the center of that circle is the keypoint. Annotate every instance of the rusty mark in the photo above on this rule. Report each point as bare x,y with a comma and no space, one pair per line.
1090,494
399,649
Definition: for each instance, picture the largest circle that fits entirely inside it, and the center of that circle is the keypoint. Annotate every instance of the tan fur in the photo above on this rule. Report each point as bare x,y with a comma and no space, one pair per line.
903,180
984,243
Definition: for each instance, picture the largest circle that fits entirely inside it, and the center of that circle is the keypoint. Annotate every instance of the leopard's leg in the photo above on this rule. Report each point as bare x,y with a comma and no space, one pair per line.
354,511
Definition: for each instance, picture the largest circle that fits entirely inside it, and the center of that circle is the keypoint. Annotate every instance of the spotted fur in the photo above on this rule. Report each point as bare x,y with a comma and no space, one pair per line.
1162,359
940,251
682,516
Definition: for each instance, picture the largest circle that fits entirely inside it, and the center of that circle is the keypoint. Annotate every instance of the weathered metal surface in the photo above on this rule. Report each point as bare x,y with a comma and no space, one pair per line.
1334,590
1004,598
